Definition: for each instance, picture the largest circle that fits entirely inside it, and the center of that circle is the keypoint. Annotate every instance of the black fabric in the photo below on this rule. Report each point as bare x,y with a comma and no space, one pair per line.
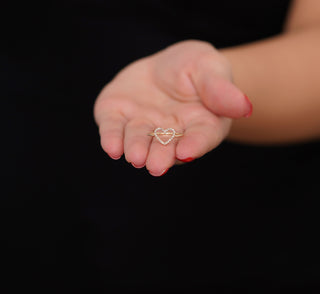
240,217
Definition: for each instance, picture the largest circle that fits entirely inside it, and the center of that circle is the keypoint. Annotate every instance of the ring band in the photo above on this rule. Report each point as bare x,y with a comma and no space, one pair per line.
172,133
177,135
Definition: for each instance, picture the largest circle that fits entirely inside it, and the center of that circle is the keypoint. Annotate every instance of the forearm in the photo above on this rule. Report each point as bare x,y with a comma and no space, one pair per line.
281,76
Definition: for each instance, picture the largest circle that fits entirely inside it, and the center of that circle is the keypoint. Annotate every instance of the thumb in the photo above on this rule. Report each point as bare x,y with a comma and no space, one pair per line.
218,93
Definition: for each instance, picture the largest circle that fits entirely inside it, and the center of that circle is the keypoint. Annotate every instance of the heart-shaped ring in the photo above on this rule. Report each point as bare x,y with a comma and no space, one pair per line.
169,132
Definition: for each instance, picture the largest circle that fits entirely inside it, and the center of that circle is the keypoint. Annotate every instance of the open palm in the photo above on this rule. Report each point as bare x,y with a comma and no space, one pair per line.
147,95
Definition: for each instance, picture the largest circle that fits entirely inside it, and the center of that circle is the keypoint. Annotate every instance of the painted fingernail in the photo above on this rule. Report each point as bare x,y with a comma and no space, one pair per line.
116,157
250,107
164,172
188,159
137,166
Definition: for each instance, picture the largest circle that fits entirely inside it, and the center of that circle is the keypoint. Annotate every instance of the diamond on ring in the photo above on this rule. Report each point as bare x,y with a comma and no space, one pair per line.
170,133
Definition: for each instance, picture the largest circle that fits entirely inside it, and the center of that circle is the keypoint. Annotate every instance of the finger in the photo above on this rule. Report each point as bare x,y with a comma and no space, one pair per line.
111,130
137,142
200,139
219,94
160,157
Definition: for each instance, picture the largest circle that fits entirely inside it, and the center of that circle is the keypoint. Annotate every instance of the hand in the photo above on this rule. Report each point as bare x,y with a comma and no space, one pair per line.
186,87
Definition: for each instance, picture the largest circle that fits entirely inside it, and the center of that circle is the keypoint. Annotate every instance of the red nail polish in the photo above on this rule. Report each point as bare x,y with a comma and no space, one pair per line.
188,159
165,171
137,166
250,107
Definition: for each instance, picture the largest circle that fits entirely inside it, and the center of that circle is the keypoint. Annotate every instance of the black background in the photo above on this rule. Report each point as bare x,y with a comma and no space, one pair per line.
242,217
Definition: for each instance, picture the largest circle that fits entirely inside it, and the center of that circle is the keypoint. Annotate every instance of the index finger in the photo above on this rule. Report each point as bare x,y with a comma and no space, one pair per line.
200,138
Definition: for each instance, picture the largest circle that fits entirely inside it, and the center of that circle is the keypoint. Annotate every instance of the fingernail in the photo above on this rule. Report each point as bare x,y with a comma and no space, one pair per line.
250,107
188,159
165,171
116,157
137,166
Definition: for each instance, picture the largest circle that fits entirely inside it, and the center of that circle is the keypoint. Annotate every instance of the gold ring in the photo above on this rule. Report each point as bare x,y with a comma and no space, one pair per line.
170,133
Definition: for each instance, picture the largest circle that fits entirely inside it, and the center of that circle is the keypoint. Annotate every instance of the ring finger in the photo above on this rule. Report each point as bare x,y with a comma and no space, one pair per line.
137,142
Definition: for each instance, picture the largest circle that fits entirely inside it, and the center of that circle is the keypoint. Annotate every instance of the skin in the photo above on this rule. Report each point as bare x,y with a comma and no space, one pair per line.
196,89
281,77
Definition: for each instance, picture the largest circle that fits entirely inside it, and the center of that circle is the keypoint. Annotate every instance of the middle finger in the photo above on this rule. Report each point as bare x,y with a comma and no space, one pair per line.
161,157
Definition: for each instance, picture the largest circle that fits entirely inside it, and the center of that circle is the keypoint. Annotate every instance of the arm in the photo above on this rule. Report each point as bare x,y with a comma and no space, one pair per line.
281,75
189,86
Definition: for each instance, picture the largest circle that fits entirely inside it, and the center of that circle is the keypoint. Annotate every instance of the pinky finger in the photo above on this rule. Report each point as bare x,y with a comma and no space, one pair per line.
111,131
